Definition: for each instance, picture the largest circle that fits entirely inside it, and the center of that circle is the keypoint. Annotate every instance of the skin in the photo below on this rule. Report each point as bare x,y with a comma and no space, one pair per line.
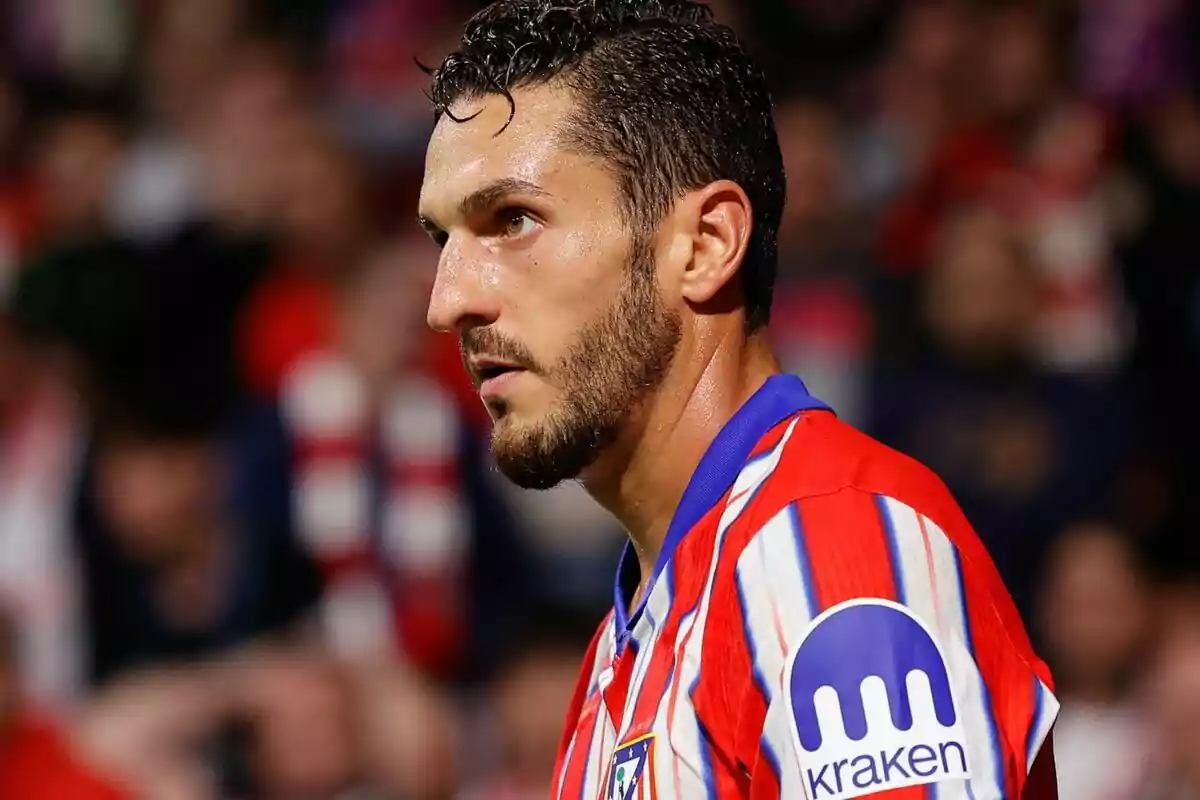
537,269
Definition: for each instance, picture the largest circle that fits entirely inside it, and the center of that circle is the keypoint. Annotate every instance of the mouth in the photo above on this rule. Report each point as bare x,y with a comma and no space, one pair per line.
492,375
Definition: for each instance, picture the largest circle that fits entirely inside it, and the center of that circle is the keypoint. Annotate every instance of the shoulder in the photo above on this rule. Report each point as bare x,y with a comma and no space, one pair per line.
851,558
825,455
823,468
818,481
841,517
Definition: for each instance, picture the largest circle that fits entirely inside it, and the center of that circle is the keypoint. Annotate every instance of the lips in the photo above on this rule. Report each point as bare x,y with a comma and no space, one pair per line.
486,370
492,376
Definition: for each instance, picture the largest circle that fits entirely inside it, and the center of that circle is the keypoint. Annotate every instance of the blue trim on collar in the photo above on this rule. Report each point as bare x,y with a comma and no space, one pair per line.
779,398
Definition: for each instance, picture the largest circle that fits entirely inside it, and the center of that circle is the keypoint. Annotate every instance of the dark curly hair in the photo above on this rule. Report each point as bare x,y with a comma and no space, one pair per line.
668,98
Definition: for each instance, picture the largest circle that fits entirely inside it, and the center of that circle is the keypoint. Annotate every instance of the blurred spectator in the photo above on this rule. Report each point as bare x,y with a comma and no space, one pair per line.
414,735
36,758
273,723
303,731
916,97
222,418
174,568
817,45
375,93
821,324
1161,265
78,152
186,56
38,575
536,682
324,230
1019,448
1173,696
259,95
85,42
1132,53
1029,145
390,492
17,197
1062,202
1095,621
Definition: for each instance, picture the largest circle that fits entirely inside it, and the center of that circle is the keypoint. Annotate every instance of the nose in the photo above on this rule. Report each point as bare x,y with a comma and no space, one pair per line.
462,295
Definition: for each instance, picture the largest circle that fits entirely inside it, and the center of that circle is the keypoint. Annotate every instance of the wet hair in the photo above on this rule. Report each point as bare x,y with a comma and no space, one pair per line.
669,100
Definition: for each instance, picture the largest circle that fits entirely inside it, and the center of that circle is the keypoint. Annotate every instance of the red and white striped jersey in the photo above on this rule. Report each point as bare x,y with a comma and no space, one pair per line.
822,623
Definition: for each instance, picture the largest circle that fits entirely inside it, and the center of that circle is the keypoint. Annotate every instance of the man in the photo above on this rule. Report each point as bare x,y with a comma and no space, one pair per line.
800,612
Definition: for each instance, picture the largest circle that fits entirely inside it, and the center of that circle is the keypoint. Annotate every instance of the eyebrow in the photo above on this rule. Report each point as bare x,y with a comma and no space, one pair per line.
485,198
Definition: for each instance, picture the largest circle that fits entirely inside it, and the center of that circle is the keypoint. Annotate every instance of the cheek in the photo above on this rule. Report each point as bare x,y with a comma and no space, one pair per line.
567,282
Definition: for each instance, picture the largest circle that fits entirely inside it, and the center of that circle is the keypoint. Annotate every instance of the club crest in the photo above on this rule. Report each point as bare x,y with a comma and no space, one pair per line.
630,774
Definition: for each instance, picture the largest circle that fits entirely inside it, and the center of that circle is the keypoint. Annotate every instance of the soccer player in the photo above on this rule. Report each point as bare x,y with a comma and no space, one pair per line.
800,612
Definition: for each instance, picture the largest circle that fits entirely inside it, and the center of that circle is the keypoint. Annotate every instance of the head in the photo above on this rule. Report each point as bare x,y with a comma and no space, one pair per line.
382,308
159,493
77,158
606,185
980,291
1018,71
253,107
1095,609
322,210
808,136
924,79
534,685
186,45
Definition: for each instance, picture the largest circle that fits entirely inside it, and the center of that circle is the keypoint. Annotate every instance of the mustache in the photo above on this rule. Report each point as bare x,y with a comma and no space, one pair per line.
491,343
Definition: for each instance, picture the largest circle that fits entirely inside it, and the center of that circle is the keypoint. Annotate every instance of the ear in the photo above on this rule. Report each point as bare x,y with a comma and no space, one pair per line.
720,220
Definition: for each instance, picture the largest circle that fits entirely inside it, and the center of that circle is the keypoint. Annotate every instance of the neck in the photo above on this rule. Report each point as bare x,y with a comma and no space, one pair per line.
643,477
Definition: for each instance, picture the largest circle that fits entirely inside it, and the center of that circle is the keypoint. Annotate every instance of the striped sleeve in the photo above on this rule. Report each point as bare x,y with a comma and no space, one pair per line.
880,665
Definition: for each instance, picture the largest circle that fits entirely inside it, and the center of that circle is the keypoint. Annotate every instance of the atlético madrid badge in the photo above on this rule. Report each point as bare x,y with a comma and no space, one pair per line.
631,775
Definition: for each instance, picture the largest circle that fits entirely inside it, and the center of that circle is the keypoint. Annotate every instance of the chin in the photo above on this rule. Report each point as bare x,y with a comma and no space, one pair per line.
513,436
527,455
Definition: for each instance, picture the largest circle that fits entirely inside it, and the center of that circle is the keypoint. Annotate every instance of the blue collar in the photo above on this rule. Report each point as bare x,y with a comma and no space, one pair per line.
779,398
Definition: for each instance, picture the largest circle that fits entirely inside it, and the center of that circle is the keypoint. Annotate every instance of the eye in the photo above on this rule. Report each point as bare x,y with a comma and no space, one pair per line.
516,223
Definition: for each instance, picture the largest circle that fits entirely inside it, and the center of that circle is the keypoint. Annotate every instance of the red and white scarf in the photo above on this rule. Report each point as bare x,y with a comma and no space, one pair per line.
396,575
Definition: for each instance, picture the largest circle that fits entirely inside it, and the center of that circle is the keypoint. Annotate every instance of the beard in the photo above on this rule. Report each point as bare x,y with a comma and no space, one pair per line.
614,364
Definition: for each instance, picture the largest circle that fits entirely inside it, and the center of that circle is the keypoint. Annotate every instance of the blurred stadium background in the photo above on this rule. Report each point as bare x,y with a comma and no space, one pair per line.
250,544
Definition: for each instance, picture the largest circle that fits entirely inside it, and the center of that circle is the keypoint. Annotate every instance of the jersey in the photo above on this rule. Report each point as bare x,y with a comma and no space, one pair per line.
822,623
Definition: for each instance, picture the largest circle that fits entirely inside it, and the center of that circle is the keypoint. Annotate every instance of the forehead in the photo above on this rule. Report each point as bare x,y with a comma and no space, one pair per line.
487,147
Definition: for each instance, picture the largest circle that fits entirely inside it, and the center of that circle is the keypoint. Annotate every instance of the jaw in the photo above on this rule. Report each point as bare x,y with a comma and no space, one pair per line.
604,477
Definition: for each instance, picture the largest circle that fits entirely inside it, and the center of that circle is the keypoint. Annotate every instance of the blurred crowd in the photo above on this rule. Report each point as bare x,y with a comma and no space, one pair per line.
250,542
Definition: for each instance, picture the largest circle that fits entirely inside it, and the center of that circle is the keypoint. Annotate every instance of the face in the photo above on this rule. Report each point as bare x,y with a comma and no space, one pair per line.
381,320
1016,61
155,495
76,167
978,296
320,212
243,142
1094,610
808,137
528,701
560,317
